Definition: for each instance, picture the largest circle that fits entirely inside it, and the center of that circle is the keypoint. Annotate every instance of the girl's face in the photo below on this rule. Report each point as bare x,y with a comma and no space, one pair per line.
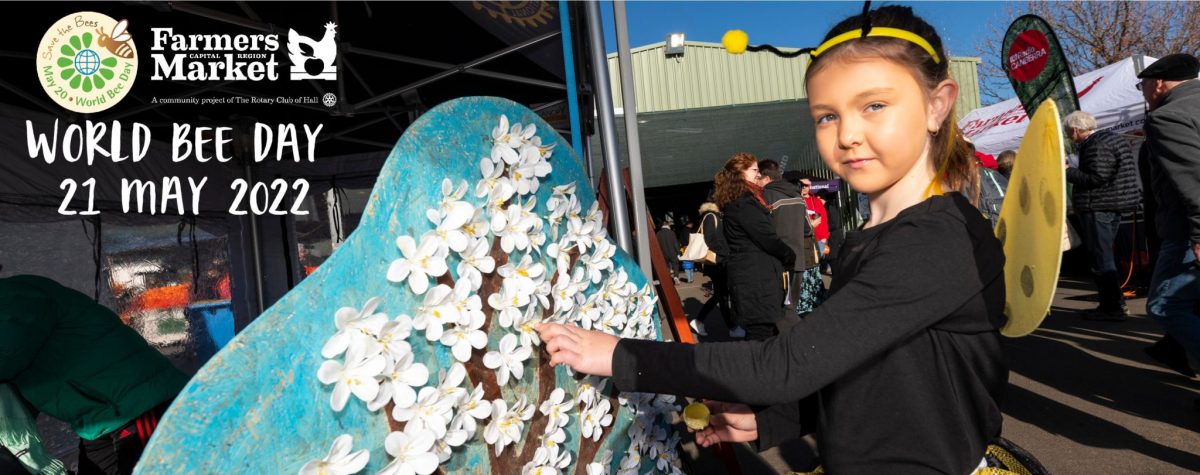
751,174
873,120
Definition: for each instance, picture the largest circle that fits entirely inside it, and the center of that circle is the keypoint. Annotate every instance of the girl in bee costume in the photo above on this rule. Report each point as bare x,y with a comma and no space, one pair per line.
904,355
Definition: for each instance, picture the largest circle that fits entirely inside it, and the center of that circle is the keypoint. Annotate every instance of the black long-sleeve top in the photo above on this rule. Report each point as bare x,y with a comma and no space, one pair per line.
905,353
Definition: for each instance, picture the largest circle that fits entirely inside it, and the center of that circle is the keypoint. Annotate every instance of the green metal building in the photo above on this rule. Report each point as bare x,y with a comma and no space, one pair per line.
697,108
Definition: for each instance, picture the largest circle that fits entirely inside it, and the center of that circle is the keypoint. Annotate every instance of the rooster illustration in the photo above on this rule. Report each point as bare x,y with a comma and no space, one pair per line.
313,59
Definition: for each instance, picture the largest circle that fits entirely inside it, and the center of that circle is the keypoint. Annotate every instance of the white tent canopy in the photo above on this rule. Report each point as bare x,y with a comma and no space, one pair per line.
1108,93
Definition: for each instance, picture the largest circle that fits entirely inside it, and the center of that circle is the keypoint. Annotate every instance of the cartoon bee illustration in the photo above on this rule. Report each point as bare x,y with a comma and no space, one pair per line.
117,41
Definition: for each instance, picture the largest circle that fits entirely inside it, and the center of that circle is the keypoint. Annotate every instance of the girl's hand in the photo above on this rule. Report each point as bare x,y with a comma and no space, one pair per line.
728,423
584,351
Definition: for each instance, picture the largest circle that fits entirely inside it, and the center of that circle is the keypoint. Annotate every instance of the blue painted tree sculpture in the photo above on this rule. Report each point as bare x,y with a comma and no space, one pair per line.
412,350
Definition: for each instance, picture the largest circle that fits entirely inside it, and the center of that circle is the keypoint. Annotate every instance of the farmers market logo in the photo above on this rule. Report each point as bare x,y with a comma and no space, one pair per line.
87,61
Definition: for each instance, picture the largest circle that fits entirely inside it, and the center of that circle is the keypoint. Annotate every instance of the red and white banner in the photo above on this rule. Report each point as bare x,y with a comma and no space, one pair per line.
1107,93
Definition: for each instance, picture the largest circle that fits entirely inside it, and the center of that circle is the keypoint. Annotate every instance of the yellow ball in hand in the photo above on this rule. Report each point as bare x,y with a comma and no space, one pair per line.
695,415
735,41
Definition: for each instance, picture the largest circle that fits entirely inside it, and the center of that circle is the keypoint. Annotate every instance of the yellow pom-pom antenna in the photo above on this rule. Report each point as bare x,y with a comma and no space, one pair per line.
735,41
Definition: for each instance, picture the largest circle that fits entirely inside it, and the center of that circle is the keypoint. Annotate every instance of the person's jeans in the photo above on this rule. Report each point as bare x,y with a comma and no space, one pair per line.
1175,292
1099,232
821,260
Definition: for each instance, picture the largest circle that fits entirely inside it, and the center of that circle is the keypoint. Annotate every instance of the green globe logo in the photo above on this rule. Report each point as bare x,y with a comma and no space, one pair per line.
82,66
87,62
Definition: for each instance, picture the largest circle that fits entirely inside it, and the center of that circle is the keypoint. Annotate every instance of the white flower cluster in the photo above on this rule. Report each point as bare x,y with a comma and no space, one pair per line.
649,438
378,365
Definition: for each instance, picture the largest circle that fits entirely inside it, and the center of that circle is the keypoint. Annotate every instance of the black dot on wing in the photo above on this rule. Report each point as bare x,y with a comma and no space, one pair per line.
1027,281
1049,208
1023,196
1002,230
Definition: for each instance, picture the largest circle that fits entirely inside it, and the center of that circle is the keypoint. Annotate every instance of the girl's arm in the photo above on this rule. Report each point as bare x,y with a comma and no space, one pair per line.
921,274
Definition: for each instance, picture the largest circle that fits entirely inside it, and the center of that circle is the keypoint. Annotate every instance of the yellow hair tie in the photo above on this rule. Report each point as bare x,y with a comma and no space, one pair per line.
877,31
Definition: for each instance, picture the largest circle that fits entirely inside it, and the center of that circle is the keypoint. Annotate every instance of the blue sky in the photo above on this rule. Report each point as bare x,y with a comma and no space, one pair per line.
793,24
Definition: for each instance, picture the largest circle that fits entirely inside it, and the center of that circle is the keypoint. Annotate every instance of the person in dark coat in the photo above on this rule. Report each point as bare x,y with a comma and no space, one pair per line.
669,245
787,214
1105,186
757,256
711,225
1172,91
833,211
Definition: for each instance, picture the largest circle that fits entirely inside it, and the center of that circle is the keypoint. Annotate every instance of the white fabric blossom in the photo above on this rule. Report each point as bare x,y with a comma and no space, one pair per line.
525,327
590,389
356,328
340,460
411,451
529,167
600,466
436,311
512,227
432,411
393,338
548,460
356,376
466,304
461,338
578,235
611,322
594,419
630,463
449,233
552,456
507,304
419,263
398,385
479,226
444,447
471,408
507,140
506,424
564,292
599,261
508,359
476,261
491,173
525,275
451,384
498,196
556,410
450,198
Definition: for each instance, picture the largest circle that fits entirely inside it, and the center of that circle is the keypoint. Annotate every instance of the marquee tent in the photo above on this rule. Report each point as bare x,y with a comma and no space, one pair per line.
1108,93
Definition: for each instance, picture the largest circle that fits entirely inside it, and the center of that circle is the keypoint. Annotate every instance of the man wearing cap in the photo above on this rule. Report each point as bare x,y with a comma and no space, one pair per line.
1173,133
1105,186
669,244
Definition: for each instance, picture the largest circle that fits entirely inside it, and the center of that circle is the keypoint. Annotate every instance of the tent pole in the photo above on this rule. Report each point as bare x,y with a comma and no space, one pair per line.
608,131
256,252
564,15
629,101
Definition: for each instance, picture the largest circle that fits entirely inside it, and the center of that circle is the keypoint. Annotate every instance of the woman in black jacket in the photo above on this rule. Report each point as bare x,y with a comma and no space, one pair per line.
757,257
713,229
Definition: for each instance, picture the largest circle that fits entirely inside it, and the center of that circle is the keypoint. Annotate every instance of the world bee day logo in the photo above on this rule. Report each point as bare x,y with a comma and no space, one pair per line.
87,61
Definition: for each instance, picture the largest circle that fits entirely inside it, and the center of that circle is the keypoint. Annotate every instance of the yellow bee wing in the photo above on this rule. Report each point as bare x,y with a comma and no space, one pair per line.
1031,223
